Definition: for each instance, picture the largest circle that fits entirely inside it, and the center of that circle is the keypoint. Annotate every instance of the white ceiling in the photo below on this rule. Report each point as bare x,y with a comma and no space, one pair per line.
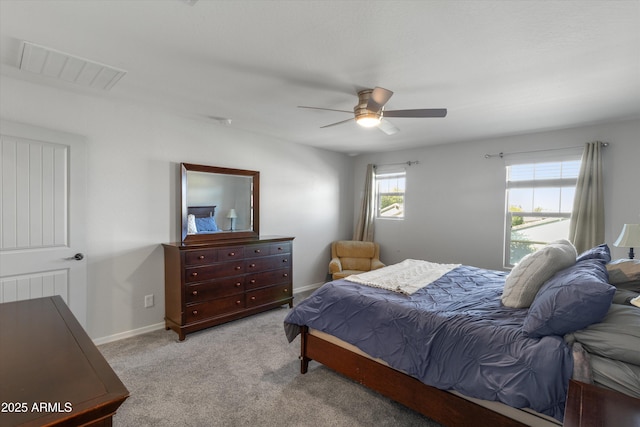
500,67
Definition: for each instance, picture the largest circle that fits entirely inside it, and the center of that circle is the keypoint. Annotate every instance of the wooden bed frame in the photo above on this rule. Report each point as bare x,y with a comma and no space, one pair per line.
202,211
441,406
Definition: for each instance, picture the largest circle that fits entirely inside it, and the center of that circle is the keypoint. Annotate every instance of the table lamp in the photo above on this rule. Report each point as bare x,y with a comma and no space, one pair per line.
232,215
629,237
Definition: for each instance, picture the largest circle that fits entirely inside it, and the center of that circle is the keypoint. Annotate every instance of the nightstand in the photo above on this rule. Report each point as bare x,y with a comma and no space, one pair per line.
592,406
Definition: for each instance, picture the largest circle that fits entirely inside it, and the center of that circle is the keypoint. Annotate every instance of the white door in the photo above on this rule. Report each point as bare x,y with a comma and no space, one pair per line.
42,216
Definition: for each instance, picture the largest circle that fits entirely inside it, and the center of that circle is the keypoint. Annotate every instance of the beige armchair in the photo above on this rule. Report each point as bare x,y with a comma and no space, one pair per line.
353,257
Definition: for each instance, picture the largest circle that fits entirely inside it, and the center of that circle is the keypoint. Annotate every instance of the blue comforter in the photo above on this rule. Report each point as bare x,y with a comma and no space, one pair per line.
453,334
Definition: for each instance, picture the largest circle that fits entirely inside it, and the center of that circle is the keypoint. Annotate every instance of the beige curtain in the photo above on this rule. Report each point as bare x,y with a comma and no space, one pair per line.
586,228
364,227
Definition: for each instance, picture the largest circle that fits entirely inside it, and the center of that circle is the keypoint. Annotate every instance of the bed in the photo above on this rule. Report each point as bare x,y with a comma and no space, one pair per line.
201,219
454,352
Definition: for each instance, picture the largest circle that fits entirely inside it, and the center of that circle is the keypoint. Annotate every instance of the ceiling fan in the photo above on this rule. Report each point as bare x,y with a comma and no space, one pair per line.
370,111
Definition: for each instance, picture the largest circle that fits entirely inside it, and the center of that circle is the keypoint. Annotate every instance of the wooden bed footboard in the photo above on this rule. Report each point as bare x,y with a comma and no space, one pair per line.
441,406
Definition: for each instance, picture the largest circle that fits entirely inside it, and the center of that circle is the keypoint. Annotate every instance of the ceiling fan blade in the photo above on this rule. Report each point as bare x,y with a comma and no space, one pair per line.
325,109
337,123
379,97
388,127
427,112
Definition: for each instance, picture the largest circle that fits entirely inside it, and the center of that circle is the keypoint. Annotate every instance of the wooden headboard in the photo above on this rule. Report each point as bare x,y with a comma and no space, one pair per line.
201,211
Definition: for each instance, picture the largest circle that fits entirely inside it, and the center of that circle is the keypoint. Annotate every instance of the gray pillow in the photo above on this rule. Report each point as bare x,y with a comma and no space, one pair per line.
528,276
624,296
623,270
616,375
616,337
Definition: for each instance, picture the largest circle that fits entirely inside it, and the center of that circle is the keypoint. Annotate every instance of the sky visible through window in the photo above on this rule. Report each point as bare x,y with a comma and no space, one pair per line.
539,197
390,193
392,182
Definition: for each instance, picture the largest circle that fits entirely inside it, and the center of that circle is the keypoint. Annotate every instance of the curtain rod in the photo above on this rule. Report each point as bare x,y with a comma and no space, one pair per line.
408,163
501,155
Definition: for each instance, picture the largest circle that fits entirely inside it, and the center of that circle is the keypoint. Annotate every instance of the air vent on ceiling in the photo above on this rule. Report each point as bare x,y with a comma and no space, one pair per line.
52,63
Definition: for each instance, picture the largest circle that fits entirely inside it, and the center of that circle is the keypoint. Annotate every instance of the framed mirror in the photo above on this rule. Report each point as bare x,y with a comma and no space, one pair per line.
219,203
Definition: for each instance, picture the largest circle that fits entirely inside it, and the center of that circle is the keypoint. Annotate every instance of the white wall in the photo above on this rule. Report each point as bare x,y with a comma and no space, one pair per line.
133,157
455,197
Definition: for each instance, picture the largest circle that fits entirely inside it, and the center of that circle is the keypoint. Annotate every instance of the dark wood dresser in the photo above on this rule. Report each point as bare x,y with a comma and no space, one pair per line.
215,282
51,373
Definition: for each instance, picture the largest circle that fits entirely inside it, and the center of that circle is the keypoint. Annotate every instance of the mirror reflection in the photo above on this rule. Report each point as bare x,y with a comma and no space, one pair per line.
219,203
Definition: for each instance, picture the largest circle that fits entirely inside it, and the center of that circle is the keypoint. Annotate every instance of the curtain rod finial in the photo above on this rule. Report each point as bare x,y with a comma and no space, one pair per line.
488,156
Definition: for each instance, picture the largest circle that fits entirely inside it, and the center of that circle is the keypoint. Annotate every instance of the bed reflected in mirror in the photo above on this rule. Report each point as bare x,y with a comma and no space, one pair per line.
219,203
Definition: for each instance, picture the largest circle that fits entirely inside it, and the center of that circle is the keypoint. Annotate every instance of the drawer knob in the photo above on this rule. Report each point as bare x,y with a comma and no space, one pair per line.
252,298
279,248
238,284
238,267
285,290
195,312
252,281
194,293
238,303
285,274
252,265
232,254
285,260
194,274
257,251
201,257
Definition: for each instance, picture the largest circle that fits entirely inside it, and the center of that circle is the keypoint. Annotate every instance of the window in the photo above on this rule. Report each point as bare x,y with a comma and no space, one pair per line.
539,201
390,188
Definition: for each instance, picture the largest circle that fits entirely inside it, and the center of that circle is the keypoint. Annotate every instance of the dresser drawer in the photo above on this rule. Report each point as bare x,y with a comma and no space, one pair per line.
201,257
215,289
230,253
213,308
268,295
280,248
267,249
267,263
257,250
268,278
214,271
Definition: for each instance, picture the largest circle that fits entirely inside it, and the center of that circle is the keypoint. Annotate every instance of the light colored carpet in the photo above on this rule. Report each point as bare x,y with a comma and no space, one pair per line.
243,373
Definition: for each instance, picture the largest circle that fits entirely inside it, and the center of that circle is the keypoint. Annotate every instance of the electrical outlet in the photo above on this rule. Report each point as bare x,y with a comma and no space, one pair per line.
148,301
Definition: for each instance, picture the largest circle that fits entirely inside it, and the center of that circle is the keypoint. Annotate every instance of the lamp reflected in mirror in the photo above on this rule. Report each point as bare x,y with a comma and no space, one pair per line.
232,215
629,238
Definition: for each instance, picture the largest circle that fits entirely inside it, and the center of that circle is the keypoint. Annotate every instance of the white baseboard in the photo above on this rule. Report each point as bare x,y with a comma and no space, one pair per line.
306,288
128,334
157,326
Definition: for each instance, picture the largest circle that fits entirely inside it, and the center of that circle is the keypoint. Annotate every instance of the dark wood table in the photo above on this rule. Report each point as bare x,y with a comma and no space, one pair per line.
592,406
51,373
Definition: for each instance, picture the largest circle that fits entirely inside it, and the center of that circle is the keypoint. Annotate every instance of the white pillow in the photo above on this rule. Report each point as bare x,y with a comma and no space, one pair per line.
191,224
528,276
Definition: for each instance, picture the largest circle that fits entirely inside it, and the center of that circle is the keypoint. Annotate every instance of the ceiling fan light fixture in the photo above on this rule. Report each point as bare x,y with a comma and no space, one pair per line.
369,120
371,109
